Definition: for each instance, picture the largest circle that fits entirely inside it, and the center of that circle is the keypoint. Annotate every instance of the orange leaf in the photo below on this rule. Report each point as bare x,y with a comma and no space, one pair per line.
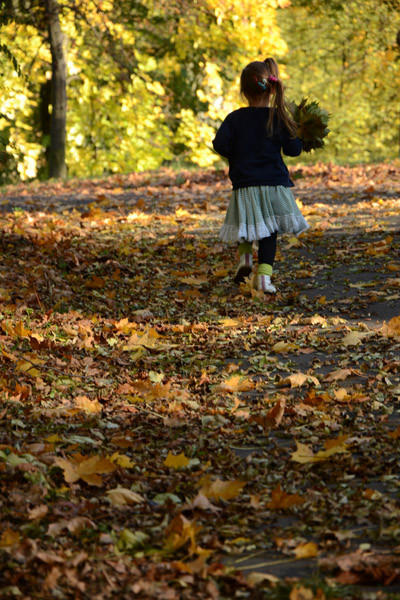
180,531
235,383
307,550
275,414
395,434
221,489
95,283
87,469
281,500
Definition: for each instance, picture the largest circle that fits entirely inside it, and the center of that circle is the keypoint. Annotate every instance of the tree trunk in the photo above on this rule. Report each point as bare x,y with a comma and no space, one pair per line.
57,167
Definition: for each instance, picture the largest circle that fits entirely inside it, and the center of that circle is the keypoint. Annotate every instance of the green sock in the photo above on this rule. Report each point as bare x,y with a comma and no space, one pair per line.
245,248
264,269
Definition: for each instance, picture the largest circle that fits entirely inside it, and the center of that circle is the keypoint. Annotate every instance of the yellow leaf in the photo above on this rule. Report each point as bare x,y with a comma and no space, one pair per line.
322,300
299,379
392,329
87,469
341,394
284,347
355,337
230,323
303,454
27,367
176,461
9,538
180,531
122,460
123,497
221,489
148,339
20,330
307,550
293,242
124,326
235,383
302,593
194,280
87,405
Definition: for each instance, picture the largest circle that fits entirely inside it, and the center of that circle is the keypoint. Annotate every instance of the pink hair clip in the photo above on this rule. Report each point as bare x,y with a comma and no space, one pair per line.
272,79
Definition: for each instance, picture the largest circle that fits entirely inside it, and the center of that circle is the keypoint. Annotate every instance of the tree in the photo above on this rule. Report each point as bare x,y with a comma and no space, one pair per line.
344,55
57,167
145,80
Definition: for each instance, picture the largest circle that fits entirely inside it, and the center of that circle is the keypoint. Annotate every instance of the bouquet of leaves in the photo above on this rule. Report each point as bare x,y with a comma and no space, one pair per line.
312,123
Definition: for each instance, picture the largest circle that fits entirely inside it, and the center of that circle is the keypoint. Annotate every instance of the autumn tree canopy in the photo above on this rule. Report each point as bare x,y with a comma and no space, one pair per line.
148,82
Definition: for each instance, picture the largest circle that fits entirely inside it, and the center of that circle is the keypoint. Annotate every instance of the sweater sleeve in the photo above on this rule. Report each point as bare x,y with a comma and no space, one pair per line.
290,146
223,139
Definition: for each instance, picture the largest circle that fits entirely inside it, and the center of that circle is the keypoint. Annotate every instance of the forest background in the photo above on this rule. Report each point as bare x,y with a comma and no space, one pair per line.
148,83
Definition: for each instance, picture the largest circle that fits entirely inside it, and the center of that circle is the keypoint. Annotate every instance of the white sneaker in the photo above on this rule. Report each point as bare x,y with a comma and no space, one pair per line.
264,284
244,268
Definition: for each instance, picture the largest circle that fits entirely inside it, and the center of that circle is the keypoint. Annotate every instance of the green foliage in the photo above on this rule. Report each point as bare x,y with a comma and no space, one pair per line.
344,54
149,82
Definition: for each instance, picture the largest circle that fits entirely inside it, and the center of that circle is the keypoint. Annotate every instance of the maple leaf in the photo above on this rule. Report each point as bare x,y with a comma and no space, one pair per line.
221,489
355,337
337,375
235,383
122,460
86,404
306,550
194,280
179,532
304,454
123,497
88,469
299,379
284,347
95,283
281,500
176,461
392,329
9,537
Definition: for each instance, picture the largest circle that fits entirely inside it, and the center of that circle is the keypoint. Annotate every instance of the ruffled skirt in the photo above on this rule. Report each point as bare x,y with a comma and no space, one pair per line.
256,212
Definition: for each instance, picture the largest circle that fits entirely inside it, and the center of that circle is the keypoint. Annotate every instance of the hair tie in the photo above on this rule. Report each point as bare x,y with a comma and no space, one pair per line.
272,79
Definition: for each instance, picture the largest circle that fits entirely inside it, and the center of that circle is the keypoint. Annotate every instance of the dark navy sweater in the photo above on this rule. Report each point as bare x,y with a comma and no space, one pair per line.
254,156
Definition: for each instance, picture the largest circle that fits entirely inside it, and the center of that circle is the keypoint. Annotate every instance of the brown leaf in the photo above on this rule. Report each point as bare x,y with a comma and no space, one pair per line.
281,500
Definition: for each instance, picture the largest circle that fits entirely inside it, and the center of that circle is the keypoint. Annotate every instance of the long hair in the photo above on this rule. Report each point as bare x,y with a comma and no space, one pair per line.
263,77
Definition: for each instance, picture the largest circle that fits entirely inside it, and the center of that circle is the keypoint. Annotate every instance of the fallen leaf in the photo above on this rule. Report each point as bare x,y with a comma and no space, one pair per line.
306,550
176,461
123,497
299,379
355,337
281,500
225,490
88,469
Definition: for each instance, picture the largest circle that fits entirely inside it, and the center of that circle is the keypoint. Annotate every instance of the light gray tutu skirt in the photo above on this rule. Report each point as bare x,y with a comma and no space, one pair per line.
256,212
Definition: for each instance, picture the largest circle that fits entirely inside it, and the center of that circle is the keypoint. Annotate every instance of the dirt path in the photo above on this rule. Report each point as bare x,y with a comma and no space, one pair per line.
256,432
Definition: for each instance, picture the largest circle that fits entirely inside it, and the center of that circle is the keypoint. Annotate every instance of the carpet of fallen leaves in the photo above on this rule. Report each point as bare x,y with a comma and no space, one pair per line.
167,434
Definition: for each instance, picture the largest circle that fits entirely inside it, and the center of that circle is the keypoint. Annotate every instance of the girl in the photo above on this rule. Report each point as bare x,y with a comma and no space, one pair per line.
262,204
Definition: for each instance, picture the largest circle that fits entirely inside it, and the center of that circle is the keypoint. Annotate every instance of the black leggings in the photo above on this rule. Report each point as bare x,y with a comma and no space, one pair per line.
267,250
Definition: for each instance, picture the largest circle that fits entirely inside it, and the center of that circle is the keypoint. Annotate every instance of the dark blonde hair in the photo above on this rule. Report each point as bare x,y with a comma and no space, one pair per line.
260,77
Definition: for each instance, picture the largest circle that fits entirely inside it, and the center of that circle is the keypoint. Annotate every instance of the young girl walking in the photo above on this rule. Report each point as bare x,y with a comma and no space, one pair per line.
262,204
